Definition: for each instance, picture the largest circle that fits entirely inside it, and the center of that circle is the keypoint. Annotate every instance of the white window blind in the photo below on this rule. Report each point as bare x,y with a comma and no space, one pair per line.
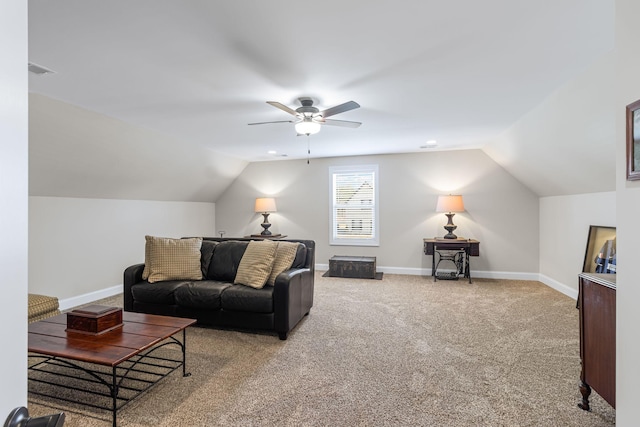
354,205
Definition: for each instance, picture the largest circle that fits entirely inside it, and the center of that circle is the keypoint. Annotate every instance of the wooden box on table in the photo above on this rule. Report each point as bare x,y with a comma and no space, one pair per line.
94,319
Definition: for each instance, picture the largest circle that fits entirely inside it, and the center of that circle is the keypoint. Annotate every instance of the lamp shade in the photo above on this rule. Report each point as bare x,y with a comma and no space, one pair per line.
450,203
307,126
265,204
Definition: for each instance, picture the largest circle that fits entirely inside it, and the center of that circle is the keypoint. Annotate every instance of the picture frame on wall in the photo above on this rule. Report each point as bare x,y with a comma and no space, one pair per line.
633,141
600,255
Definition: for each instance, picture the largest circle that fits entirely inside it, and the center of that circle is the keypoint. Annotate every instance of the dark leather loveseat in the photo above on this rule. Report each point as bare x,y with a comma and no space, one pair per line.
215,300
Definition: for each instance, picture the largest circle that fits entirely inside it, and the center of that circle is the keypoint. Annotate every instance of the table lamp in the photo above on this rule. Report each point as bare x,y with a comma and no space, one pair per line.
264,206
449,205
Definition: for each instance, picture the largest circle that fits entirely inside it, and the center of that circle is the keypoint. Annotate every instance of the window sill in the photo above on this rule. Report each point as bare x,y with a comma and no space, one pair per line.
353,243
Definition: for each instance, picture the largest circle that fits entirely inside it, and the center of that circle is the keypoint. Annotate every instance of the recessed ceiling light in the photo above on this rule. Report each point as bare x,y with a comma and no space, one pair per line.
275,153
432,143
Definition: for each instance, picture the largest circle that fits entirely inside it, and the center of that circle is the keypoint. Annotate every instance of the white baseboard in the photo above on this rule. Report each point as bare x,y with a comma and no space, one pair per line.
389,270
68,303
409,271
427,272
509,275
560,287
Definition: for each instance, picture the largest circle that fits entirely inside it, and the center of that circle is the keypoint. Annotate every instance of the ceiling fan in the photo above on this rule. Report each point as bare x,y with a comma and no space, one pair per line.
308,118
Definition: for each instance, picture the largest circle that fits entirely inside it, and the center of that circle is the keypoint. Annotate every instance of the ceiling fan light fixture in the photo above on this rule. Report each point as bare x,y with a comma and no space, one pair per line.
307,127
308,119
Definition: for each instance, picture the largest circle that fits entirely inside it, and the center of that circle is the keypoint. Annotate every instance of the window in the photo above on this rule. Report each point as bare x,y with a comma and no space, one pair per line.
354,205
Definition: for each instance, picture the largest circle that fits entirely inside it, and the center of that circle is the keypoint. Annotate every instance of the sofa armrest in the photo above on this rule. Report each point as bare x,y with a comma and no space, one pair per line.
132,275
292,299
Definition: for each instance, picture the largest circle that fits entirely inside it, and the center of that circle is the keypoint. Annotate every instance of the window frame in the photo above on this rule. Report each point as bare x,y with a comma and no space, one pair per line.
341,241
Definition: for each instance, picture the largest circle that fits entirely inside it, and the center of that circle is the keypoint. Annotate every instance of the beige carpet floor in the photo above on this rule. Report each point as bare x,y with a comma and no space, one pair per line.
402,351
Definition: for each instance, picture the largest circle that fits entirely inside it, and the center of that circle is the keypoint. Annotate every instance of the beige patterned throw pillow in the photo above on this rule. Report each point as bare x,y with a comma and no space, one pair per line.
145,272
256,263
285,254
172,259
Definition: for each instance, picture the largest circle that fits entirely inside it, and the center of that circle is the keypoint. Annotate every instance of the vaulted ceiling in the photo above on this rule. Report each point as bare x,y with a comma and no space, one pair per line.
191,74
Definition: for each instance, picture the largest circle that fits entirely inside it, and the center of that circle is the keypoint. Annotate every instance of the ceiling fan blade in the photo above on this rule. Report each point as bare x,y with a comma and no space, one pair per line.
265,123
351,105
283,108
343,123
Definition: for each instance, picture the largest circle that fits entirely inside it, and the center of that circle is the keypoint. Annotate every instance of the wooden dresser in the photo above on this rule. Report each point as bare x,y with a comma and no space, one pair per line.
597,304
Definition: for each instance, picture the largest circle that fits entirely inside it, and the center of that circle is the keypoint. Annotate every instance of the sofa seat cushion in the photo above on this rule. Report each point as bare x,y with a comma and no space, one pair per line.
203,294
157,293
245,298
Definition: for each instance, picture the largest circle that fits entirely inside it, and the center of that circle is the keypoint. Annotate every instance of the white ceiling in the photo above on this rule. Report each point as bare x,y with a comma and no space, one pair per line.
199,71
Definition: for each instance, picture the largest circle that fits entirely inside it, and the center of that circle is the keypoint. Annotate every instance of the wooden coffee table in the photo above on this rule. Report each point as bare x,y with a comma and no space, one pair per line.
127,358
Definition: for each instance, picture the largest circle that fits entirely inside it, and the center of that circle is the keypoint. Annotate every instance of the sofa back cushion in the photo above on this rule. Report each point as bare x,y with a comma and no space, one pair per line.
206,254
225,260
173,259
300,261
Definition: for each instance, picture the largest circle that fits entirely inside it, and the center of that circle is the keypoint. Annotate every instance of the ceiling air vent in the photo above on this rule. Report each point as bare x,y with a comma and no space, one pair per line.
39,70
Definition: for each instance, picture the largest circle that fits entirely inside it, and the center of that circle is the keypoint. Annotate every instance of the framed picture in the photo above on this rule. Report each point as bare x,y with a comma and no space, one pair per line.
600,256
633,141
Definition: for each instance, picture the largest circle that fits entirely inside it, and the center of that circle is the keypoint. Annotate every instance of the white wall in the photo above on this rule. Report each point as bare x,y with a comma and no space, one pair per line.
564,226
81,246
13,203
627,211
566,145
500,212
74,152
564,149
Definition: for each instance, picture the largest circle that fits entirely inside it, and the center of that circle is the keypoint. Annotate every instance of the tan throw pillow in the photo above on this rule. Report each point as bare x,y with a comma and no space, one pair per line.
145,272
173,259
256,263
285,254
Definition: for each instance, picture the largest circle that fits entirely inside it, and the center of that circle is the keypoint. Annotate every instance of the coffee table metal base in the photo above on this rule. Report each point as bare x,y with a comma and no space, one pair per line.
116,384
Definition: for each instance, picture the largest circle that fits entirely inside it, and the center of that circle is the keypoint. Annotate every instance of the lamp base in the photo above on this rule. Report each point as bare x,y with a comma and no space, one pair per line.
450,235
450,227
265,224
266,232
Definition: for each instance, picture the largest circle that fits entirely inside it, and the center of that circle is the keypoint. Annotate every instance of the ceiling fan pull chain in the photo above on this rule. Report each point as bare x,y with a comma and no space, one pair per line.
308,148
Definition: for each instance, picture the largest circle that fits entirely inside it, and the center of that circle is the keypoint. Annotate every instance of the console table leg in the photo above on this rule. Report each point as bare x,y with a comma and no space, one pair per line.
585,390
433,266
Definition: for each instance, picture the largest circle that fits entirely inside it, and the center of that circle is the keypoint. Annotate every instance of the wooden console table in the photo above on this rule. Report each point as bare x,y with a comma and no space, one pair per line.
597,304
470,247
